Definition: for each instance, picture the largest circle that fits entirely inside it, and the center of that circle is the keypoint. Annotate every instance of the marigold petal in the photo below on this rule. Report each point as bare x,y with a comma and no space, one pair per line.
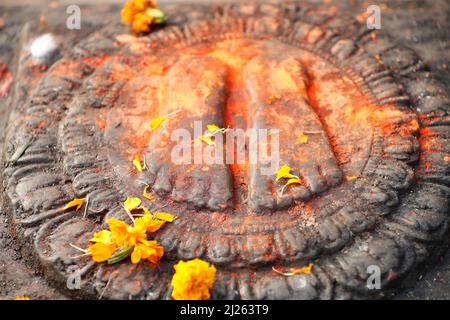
136,255
103,236
285,172
302,138
304,270
132,203
155,225
147,195
164,216
207,140
137,163
294,271
212,127
155,123
78,203
101,251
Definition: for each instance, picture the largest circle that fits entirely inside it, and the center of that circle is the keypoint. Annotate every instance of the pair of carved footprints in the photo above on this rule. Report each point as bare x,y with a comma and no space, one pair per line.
277,86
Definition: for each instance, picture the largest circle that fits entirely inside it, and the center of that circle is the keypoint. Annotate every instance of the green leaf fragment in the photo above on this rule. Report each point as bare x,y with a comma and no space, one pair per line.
120,255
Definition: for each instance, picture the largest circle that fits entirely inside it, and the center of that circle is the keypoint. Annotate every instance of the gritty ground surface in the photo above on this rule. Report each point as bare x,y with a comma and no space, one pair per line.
18,275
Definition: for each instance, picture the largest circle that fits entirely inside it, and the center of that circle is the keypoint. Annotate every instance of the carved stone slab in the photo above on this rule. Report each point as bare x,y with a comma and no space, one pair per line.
375,166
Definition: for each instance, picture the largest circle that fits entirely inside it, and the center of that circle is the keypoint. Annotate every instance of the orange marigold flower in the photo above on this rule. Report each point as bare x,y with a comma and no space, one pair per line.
123,240
147,250
149,223
141,14
193,280
119,234
136,234
124,235
101,251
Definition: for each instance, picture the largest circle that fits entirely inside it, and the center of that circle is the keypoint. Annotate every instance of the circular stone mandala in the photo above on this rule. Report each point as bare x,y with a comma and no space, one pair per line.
374,166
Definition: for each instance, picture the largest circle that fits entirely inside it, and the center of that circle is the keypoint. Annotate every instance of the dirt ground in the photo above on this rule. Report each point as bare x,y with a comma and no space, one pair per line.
19,277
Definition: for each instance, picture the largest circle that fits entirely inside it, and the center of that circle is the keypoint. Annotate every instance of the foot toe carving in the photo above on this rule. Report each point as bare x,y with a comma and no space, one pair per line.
278,89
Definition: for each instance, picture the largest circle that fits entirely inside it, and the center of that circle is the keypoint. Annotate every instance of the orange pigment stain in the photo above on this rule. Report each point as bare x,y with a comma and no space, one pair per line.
101,123
337,101
96,62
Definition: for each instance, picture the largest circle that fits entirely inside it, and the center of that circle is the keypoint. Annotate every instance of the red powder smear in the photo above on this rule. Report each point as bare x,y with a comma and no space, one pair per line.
101,123
5,80
96,61
42,124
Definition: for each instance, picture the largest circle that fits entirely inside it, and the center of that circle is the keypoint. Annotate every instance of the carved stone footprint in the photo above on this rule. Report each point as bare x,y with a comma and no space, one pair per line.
277,86
196,91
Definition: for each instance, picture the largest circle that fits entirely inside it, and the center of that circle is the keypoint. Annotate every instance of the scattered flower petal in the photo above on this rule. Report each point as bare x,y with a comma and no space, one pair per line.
164,216
303,270
132,203
137,163
78,203
291,181
147,195
285,172
294,271
212,127
302,138
350,178
155,123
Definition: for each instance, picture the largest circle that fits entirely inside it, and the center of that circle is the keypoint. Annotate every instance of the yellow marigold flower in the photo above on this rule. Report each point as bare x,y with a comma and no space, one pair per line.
147,250
101,251
193,280
22,298
141,14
